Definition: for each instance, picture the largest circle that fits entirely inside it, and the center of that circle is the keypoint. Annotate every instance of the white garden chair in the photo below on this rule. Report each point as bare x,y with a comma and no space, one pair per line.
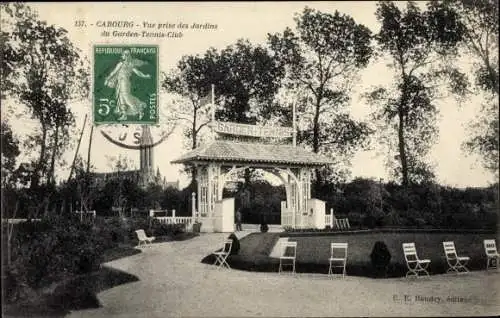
338,257
143,238
414,264
288,255
456,263
221,256
492,256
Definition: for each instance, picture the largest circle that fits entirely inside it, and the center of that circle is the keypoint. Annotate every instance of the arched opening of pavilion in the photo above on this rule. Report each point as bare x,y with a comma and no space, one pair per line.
258,195
241,146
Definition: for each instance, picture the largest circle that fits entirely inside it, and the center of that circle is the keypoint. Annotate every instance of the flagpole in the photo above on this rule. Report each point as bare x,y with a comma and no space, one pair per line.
294,124
213,102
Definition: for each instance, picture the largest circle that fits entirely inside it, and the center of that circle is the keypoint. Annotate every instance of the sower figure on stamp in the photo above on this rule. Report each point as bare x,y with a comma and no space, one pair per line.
238,220
119,79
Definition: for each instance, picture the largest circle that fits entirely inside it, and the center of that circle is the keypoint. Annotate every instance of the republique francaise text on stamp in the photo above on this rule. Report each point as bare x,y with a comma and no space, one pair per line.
125,84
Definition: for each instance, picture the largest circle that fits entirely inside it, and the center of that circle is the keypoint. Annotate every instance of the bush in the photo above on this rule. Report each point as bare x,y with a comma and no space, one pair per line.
264,227
235,247
51,250
380,257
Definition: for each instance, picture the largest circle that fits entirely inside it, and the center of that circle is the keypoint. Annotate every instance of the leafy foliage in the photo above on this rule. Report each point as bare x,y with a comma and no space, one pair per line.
485,140
321,59
50,250
43,71
480,43
244,76
372,204
10,151
417,42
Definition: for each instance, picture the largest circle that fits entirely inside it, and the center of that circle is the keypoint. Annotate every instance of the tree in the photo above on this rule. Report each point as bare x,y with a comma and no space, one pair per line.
191,81
250,79
44,72
10,151
122,186
322,58
480,18
246,78
416,42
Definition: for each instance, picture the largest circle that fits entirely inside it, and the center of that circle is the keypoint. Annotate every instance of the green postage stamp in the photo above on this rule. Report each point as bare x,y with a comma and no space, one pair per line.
125,89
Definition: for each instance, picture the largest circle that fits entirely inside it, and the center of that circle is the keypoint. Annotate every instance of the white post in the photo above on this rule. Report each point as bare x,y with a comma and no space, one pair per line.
331,218
193,205
294,133
173,217
151,213
213,102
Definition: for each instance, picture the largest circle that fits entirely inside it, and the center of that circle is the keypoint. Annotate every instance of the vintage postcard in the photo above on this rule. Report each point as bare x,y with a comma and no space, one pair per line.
250,159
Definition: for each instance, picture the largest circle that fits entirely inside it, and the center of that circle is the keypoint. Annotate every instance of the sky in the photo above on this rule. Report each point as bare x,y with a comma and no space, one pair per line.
252,21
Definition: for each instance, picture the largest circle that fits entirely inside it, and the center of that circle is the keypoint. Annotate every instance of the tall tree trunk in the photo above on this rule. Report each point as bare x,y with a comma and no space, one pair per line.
90,148
54,155
35,177
316,128
318,181
401,144
77,148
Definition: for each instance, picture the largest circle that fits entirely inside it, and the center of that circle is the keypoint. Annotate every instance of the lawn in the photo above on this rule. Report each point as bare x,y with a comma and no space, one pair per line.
313,251
253,254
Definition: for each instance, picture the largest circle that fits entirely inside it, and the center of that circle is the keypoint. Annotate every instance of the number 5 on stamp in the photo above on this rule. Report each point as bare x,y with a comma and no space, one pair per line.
125,84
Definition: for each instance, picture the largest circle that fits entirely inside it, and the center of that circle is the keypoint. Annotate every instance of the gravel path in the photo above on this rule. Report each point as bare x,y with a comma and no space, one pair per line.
173,282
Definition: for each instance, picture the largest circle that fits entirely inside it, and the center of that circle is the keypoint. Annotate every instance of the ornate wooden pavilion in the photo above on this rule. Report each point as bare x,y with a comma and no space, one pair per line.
240,146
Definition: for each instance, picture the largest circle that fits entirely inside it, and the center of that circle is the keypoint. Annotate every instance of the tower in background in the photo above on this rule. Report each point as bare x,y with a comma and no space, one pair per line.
146,157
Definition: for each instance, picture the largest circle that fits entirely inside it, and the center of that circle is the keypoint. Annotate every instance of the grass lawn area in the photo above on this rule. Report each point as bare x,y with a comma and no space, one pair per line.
313,251
254,253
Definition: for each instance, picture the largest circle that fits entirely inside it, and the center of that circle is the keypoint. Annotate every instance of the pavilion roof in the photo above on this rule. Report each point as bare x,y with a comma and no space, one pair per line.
247,152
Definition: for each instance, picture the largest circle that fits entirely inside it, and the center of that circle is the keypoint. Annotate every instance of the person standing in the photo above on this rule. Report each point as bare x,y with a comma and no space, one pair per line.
238,220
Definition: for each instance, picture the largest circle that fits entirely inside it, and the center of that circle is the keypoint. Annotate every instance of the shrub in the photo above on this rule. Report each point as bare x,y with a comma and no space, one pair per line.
235,247
370,222
51,250
264,227
380,257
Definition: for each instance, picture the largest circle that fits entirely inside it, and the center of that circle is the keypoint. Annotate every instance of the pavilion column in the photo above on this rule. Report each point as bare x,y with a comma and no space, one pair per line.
304,193
293,200
214,176
203,186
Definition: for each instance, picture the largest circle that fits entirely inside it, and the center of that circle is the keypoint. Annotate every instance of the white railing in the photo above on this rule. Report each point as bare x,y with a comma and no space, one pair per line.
175,219
342,224
84,214
328,220
152,213
286,217
16,221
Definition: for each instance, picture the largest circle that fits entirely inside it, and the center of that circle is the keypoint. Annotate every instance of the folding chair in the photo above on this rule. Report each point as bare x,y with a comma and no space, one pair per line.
221,256
414,264
456,263
145,240
492,256
339,258
289,253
